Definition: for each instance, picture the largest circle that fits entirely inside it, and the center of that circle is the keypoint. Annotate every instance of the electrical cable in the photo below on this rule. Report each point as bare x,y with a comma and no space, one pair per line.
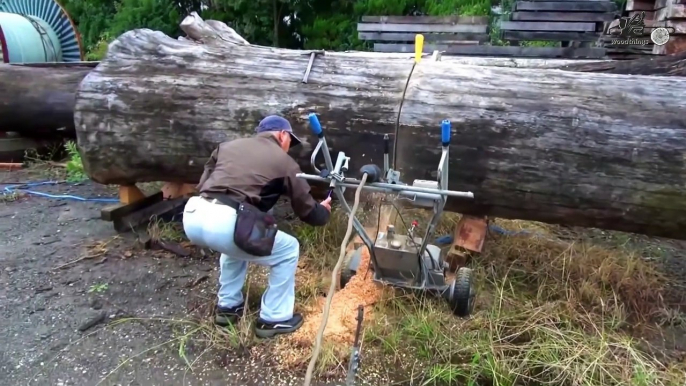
22,188
332,287
400,109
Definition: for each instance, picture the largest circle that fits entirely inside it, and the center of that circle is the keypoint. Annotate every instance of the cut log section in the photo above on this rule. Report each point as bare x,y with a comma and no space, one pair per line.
593,150
39,101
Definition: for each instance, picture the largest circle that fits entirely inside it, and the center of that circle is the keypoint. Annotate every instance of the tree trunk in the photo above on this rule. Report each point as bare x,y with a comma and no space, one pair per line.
588,149
37,101
668,65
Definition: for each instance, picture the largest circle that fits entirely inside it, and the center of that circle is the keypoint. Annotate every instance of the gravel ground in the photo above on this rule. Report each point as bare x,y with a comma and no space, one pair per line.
58,322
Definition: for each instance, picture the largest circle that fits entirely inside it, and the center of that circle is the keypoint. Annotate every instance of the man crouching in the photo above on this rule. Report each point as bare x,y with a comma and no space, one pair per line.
255,171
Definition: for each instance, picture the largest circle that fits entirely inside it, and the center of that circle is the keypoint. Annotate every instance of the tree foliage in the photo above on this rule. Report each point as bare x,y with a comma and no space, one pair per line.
308,24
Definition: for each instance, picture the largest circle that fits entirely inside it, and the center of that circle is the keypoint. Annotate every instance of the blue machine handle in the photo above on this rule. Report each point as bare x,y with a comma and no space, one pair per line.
315,126
445,132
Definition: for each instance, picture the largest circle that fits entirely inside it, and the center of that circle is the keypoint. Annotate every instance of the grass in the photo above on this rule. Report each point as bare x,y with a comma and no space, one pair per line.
42,163
554,307
549,312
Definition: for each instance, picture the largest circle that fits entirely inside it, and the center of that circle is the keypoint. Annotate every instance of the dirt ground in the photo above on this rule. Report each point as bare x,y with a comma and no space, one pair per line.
90,322
122,315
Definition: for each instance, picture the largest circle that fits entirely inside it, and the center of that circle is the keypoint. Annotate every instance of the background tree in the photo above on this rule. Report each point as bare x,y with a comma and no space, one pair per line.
306,24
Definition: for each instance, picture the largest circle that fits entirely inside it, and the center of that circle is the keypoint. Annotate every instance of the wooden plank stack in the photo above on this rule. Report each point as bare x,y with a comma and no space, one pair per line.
397,33
577,24
670,14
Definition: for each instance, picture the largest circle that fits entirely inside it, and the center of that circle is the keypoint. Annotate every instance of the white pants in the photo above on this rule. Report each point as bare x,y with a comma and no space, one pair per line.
211,224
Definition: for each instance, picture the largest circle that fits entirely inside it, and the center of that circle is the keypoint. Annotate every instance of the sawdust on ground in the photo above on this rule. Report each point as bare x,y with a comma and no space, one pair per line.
341,324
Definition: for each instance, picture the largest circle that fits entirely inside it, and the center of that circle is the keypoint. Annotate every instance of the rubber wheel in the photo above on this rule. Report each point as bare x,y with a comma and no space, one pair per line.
461,294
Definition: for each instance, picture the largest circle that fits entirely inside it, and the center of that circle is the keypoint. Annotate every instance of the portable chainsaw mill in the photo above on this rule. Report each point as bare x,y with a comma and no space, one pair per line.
400,260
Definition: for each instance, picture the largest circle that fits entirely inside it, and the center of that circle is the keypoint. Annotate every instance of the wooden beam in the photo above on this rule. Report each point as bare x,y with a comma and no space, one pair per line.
468,238
563,16
117,211
541,52
547,26
409,37
160,209
426,19
574,6
129,194
639,5
550,36
422,28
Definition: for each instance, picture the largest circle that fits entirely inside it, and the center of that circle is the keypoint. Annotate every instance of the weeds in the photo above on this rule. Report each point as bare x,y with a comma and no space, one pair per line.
160,230
42,163
9,196
75,172
98,288
547,314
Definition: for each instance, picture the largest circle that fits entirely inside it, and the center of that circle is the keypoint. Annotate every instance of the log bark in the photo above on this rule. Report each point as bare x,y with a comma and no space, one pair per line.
38,101
593,150
668,65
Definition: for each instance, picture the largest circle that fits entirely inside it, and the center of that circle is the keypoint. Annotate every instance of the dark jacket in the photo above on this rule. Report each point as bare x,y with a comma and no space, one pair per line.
257,171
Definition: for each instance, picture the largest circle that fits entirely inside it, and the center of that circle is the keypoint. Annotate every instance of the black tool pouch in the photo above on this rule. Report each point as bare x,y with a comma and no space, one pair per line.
255,230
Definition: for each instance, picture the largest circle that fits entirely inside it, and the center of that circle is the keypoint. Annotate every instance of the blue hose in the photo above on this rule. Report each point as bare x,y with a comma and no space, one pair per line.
24,189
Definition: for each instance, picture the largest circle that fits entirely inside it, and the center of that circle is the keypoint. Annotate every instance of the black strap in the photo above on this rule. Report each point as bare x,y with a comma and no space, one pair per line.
222,198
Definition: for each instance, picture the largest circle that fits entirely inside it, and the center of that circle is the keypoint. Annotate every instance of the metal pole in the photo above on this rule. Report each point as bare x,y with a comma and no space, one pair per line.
384,187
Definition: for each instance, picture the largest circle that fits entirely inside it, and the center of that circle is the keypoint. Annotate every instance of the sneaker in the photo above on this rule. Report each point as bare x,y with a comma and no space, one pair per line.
265,329
224,316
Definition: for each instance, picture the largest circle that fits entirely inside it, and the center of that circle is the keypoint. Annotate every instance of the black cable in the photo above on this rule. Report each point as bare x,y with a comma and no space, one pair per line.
397,121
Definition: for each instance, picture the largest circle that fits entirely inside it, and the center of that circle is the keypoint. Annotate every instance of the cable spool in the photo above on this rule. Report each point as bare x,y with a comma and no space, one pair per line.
37,31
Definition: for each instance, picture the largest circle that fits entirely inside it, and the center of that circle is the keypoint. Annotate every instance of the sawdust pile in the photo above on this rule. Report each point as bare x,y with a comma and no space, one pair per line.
296,348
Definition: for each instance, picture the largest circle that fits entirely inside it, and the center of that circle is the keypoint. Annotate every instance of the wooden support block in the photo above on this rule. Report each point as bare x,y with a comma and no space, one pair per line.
129,194
117,211
469,237
164,208
172,190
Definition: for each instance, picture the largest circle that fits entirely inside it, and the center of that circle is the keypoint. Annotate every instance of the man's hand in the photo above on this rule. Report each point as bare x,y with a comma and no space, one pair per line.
327,204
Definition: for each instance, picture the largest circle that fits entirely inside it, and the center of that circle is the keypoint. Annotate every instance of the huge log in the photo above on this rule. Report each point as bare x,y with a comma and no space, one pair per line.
37,101
584,149
668,65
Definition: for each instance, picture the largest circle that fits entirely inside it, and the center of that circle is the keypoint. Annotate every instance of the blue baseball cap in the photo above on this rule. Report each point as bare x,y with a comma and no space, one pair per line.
277,123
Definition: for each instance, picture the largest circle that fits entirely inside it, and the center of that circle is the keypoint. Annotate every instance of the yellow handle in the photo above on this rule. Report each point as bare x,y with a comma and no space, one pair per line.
418,47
